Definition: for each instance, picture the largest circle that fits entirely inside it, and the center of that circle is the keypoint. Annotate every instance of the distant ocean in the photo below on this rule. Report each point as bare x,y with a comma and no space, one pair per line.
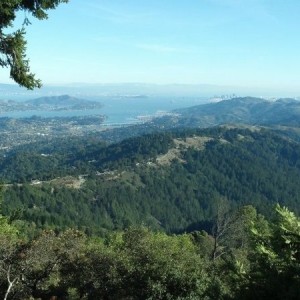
123,110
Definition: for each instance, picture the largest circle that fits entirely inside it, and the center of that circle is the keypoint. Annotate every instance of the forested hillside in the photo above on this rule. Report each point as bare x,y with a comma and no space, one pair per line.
134,200
172,181
245,110
245,257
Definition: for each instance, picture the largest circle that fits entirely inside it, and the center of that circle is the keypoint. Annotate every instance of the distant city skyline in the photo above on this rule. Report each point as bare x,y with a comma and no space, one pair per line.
248,44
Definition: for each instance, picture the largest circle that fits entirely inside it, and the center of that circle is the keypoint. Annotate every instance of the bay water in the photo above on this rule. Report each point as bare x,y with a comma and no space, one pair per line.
123,110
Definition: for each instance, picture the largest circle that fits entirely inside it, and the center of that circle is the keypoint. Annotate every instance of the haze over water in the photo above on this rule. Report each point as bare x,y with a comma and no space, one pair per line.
119,110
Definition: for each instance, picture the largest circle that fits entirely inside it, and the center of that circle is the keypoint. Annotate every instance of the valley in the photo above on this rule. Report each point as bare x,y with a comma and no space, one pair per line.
171,177
101,198
149,150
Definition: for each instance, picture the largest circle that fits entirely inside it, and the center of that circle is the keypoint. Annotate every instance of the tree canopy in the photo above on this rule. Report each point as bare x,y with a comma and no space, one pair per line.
13,44
260,260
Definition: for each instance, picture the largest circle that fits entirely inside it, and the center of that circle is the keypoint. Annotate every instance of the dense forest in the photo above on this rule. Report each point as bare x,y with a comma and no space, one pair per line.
170,181
245,257
183,214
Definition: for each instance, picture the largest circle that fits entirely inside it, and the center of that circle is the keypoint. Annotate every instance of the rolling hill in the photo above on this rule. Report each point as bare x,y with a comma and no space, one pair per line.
248,110
170,181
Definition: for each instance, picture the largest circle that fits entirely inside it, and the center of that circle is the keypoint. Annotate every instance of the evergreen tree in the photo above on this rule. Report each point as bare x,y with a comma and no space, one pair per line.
13,44
275,261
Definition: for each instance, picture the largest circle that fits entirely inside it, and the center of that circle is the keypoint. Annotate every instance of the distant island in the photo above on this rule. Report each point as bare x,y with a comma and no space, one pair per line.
135,96
54,103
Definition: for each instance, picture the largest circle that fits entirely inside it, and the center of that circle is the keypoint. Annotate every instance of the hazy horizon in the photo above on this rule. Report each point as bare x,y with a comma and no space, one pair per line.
88,90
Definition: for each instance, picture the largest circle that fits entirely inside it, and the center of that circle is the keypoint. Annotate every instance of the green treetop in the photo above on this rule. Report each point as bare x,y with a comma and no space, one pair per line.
13,44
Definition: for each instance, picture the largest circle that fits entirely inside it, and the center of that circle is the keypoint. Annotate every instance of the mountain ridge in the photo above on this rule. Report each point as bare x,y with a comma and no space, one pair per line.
173,177
245,110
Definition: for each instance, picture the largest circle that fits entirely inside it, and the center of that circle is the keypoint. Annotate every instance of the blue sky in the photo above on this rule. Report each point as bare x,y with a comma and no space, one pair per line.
253,43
